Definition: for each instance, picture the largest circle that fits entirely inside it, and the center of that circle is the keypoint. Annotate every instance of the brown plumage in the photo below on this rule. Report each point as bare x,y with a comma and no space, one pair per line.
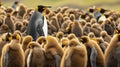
5,38
60,19
75,55
12,53
91,35
103,45
93,50
112,52
53,52
65,25
96,29
4,29
42,41
105,36
21,10
34,55
64,43
54,21
76,29
10,23
26,40
18,26
60,35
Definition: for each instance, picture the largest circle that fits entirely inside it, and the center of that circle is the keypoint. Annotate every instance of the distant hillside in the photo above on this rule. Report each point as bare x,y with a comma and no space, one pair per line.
82,4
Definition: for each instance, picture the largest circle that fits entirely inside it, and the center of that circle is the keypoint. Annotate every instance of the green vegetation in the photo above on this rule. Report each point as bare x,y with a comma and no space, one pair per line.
111,4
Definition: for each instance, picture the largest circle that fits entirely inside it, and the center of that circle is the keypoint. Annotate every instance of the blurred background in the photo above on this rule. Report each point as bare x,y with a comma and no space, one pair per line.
81,4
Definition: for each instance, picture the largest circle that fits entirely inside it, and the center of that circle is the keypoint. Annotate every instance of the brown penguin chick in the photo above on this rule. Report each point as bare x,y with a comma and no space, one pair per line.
64,9
47,11
91,35
51,14
42,41
65,25
34,55
75,55
103,45
4,29
5,38
93,20
76,29
96,29
108,26
21,10
24,27
72,17
94,52
14,13
71,36
64,43
86,28
51,28
83,23
65,18
68,28
18,26
53,51
12,53
54,21
105,36
26,40
10,23
9,10
59,36
60,19
112,52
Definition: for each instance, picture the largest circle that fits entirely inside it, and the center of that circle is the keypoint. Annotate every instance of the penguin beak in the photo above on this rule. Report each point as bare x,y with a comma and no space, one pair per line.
36,8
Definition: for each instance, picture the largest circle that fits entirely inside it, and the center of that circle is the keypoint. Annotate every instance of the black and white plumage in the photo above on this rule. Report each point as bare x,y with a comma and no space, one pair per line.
37,25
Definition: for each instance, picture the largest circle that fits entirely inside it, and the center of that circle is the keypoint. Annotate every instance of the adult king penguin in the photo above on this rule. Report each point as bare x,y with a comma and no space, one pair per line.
38,24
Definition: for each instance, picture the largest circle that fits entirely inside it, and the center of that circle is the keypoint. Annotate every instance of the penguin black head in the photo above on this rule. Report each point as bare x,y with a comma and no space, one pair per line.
41,8
83,16
91,10
16,2
101,10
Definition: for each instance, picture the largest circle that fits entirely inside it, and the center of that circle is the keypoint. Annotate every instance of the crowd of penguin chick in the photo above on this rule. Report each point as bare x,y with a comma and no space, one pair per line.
75,38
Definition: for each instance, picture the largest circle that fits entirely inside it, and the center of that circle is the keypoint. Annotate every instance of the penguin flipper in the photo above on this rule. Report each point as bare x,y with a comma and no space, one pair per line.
93,57
57,60
40,30
6,59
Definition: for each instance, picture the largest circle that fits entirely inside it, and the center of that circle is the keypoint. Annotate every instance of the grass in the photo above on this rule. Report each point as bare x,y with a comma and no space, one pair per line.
58,3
